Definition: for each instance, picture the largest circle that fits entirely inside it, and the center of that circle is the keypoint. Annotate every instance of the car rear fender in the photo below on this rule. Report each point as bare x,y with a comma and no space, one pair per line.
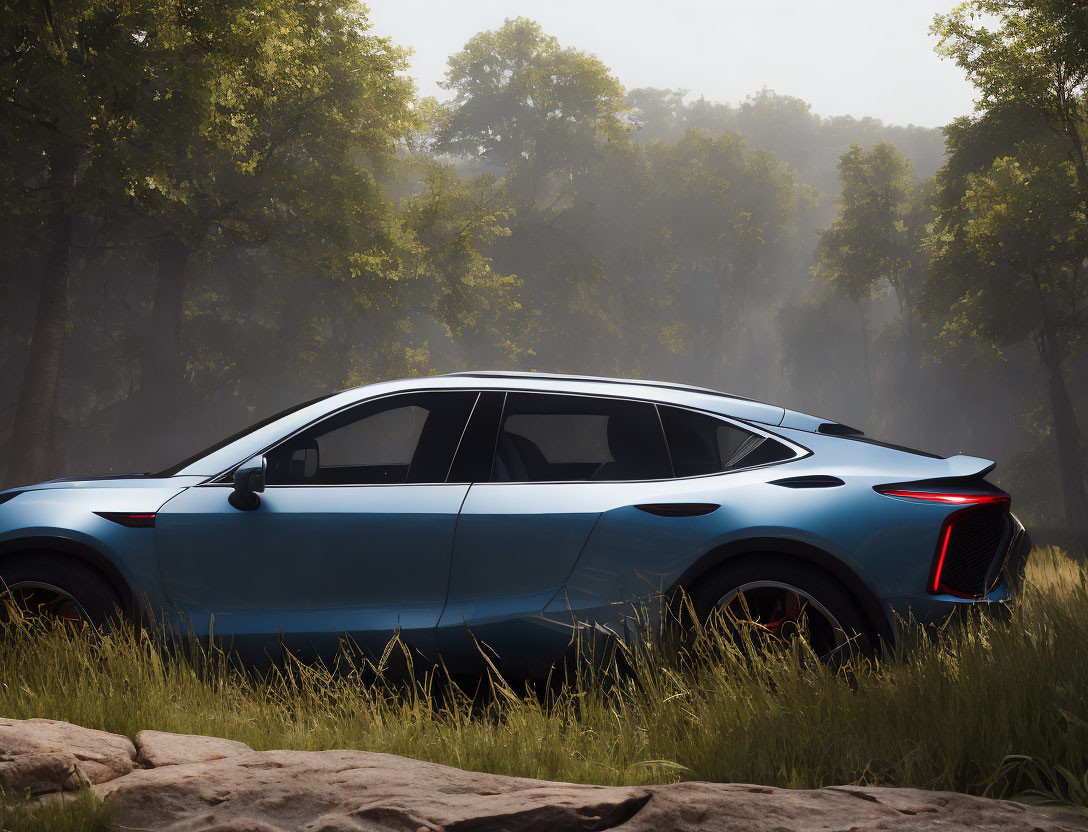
753,547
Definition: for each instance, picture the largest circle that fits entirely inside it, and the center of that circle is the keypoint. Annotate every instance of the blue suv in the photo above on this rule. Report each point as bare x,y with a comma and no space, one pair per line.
500,512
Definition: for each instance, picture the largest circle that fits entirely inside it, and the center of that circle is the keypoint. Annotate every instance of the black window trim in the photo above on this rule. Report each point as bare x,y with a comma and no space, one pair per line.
665,436
800,452
495,438
457,448
464,431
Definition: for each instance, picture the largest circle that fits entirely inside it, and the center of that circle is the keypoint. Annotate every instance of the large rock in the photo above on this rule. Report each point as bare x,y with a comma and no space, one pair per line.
158,748
357,791
43,755
203,784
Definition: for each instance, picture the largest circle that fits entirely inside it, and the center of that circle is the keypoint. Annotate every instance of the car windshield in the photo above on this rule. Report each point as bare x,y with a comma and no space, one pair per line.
185,463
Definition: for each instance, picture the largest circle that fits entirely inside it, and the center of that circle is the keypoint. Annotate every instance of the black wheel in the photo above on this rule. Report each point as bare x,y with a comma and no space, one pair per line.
58,589
783,599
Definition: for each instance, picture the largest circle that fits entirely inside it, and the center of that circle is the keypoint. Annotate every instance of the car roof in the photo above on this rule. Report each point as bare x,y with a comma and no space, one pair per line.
635,382
698,398
658,391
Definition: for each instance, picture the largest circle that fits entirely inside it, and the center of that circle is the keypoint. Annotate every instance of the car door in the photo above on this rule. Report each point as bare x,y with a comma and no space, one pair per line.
353,534
559,461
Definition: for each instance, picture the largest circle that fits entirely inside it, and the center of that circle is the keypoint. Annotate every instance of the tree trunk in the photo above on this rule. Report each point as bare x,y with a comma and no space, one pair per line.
1066,432
30,443
152,420
865,359
163,367
905,298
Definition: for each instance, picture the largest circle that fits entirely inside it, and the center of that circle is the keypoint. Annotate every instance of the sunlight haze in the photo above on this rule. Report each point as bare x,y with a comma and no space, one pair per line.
845,57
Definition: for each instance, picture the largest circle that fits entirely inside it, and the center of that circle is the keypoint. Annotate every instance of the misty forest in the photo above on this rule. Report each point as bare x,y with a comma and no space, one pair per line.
214,210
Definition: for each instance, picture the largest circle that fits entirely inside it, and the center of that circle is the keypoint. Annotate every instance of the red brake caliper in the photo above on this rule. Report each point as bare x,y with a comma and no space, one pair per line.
784,613
59,608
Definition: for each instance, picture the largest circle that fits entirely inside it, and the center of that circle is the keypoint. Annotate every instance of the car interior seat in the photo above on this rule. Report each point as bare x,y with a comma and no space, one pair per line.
518,459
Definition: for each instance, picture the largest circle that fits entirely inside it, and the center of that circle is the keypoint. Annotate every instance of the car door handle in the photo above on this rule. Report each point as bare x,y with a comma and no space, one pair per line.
678,509
811,481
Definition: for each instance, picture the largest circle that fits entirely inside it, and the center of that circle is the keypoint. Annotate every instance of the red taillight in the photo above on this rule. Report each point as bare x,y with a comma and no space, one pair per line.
951,498
969,505
133,520
938,562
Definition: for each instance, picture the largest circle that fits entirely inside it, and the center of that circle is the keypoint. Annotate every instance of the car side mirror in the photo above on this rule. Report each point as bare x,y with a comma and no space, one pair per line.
248,483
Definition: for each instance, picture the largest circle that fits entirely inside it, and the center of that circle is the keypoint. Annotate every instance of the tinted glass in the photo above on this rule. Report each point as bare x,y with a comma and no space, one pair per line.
552,438
701,444
400,439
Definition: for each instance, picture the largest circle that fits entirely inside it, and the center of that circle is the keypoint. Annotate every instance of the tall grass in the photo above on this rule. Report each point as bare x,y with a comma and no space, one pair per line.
986,707
82,812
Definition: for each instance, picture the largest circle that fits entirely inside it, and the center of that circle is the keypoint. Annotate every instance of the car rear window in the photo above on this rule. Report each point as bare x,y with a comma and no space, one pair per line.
701,444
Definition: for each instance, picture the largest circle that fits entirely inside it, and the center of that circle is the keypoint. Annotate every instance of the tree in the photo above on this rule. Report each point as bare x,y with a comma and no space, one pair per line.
64,69
1014,189
282,149
870,240
657,114
455,223
721,208
523,101
1009,265
1032,53
876,240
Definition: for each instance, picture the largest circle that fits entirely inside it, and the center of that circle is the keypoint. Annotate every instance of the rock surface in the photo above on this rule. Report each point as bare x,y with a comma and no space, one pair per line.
43,755
203,784
158,748
356,791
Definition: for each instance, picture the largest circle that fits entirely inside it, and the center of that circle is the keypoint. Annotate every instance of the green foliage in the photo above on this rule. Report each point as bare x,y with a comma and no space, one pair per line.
1027,54
1009,247
782,124
878,229
68,75
722,208
1012,259
520,98
252,109
456,223
966,711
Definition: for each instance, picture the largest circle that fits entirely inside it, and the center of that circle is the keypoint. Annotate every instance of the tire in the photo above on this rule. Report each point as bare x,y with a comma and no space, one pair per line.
846,631
33,577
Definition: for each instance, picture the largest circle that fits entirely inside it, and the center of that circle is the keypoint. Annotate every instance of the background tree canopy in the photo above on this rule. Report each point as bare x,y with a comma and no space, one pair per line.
211,211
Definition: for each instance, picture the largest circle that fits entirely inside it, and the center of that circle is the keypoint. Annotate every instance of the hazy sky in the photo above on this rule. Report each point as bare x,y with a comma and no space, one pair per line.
856,57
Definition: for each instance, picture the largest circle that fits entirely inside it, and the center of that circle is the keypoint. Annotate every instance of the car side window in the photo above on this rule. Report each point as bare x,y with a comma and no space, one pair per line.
409,438
701,444
561,438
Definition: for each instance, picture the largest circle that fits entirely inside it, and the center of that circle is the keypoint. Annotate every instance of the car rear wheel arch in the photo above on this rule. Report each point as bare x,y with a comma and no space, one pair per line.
802,553
74,551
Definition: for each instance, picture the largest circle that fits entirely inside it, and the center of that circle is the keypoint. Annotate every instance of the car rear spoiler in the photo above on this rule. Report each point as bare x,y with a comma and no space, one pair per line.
969,466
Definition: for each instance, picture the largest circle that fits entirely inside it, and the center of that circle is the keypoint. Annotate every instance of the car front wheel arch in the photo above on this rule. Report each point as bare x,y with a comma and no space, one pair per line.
60,556
806,557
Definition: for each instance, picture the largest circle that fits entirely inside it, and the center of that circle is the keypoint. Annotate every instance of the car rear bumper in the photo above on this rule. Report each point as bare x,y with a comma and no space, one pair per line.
936,610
